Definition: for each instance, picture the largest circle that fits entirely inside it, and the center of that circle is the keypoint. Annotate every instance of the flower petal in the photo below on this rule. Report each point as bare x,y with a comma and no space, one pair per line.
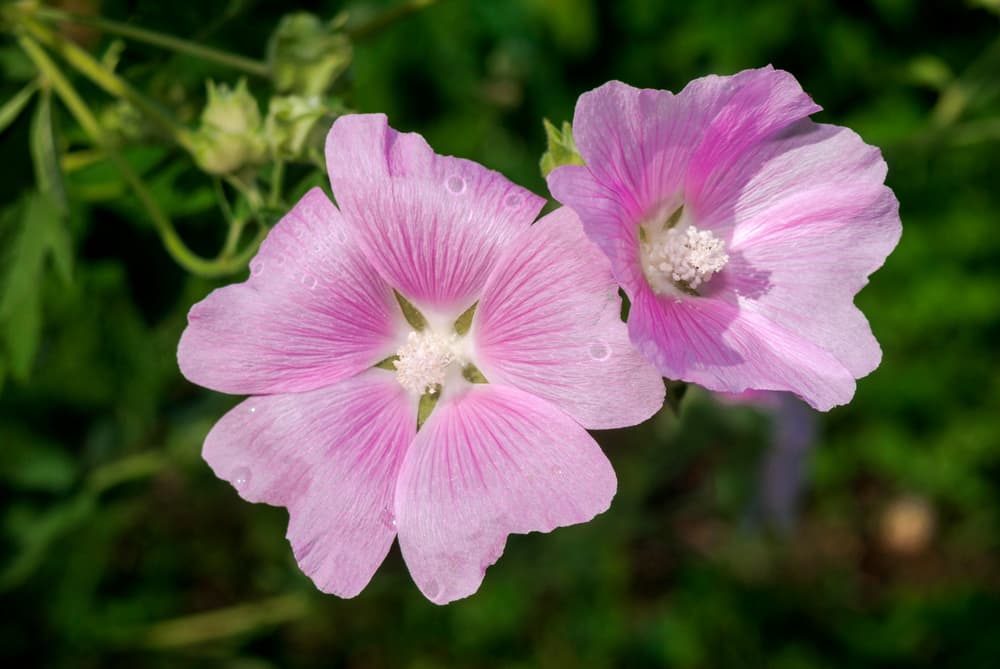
728,347
645,149
312,312
550,324
809,219
490,462
331,456
432,225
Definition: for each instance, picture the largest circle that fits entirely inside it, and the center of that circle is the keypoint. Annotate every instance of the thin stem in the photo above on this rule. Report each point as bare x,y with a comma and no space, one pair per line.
248,65
98,73
88,121
385,19
277,176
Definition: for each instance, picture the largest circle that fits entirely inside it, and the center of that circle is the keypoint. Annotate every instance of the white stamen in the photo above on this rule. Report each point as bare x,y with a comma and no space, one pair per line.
423,360
683,255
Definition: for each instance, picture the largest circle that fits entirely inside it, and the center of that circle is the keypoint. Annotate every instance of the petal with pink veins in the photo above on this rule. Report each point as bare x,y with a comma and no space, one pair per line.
433,225
550,324
331,456
726,347
490,462
312,312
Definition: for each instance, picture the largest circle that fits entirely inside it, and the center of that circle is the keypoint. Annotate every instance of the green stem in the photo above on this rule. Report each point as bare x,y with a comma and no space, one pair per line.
385,19
277,176
248,65
114,85
85,117
223,623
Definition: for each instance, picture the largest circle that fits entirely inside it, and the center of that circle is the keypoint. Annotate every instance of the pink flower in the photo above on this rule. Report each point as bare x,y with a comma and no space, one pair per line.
740,230
332,434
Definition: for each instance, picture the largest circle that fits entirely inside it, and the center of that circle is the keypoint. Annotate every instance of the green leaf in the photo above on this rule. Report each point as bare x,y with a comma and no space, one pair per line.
13,107
48,174
42,232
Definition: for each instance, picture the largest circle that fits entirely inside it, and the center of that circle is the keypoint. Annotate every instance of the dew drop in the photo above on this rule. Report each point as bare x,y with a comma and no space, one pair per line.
308,281
388,519
513,200
557,470
279,259
241,478
432,589
600,351
256,267
455,184
253,409
340,235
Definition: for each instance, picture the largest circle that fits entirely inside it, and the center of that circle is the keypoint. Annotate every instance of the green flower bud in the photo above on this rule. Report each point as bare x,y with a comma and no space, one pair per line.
230,133
561,148
295,123
307,55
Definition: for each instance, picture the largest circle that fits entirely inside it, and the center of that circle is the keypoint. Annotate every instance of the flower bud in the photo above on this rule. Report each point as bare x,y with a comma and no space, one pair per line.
295,123
307,55
229,136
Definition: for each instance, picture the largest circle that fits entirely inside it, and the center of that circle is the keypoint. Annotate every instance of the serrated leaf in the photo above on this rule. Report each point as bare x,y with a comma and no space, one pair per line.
13,107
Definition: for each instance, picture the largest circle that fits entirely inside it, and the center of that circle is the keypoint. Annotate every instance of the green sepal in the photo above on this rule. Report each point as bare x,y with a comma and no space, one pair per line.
561,148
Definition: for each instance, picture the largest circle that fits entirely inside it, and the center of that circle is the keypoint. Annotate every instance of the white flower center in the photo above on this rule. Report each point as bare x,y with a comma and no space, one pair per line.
681,256
423,361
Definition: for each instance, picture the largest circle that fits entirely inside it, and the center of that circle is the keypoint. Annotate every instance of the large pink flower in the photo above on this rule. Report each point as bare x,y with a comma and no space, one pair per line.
740,230
337,371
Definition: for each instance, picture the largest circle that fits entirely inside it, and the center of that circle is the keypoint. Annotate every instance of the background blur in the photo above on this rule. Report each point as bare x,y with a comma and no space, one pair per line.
742,535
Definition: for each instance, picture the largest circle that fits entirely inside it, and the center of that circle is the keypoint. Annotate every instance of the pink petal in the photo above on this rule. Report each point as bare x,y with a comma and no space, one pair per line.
809,219
432,225
490,462
331,456
550,324
645,149
727,347
312,312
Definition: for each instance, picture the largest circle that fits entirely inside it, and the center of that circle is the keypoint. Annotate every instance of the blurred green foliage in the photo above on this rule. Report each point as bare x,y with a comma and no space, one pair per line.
119,548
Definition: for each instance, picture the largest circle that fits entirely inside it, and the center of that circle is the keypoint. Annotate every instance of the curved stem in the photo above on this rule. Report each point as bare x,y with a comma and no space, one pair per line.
85,117
114,85
248,65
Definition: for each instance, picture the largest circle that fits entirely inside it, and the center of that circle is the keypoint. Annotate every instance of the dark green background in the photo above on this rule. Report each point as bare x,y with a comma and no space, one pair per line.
114,533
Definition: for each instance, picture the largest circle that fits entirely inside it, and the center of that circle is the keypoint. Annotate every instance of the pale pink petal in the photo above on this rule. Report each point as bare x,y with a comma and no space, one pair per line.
550,324
432,225
728,347
808,219
647,149
489,462
331,456
312,312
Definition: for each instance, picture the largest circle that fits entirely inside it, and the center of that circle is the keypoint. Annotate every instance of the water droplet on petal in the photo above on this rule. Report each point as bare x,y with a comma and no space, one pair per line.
513,200
340,234
241,478
600,351
432,589
455,184
279,259
388,519
308,281
256,266
253,409
557,470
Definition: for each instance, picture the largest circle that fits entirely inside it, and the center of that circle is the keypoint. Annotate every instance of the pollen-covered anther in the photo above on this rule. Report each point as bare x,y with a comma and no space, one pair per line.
686,256
422,362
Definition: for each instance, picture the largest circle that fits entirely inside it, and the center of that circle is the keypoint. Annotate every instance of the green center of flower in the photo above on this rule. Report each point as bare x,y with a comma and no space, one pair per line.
677,257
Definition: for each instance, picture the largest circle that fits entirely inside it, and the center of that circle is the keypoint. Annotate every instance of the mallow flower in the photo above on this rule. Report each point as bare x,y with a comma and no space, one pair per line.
739,229
426,285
